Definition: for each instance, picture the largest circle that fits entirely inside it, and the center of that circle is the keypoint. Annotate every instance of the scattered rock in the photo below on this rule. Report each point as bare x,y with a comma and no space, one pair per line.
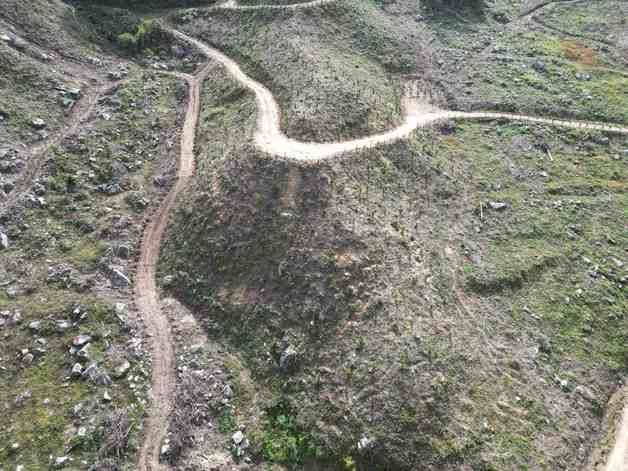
120,309
585,393
240,443
81,340
227,391
289,359
90,372
61,461
21,398
118,279
122,369
83,353
36,202
497,206
4,241
165,448
63,325
38,123
28,358
238,437
77,370
102,379
111,188
106,397
365,443
35,326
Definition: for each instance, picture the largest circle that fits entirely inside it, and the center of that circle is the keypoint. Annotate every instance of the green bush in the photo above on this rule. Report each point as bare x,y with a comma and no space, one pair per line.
285,442
127,42
147,34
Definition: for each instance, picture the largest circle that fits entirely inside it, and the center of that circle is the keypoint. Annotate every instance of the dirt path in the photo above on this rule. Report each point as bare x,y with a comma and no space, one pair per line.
618,458
234,5
78,115
147,294
270,139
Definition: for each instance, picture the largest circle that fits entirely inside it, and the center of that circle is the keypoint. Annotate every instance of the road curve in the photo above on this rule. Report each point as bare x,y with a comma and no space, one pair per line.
270,139
147,294
234,5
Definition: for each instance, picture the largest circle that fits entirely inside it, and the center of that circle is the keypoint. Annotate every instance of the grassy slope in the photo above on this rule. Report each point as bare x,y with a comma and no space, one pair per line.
402,337
27,92
500,72
418,317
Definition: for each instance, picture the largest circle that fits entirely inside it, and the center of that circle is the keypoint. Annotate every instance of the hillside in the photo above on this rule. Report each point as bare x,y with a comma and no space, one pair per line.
348,234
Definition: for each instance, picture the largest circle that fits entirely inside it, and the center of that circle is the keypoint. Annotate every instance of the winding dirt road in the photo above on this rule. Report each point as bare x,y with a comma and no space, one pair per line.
147,294
234,5
270,139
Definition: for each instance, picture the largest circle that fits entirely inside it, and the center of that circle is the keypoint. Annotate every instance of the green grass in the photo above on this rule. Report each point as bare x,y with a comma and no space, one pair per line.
74,229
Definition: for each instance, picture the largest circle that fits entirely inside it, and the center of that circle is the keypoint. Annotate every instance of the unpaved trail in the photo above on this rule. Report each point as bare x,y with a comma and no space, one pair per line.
147,294
618,458
234,5
270,139
78,115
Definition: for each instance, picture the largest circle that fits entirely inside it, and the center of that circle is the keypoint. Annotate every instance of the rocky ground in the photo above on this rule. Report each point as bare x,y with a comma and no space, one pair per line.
75,371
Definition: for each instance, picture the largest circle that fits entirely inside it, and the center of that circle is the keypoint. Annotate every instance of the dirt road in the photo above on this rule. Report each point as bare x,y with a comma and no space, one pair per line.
234,5
147,294
618,458
270,139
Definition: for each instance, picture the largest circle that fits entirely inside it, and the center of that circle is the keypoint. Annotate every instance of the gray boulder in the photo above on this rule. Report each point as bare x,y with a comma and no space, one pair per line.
119,279
289,359
81,340
77,370
4,241
38,123
497,206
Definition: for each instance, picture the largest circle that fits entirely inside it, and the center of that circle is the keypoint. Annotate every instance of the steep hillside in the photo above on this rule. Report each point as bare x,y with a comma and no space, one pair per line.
407,307
204,266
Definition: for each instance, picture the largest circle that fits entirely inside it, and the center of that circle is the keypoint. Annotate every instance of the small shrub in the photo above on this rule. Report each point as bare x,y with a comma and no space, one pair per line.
127,42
